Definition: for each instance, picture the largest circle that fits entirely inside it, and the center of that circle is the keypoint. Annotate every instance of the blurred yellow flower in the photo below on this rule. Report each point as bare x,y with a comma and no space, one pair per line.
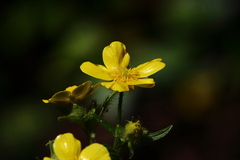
73,94
133,130
67,147
121,78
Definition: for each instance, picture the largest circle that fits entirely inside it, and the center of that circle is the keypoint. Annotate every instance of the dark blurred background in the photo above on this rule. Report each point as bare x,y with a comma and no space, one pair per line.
43,43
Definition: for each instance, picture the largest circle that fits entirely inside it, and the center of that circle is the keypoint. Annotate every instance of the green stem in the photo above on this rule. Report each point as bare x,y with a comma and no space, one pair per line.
119,116
119,119
116,138
106,103
90,135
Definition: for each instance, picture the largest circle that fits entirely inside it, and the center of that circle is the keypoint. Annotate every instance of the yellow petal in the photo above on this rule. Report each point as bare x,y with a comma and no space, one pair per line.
66,147
149,68
95,151
125,61
146,85
62,96
116,86
45,100
142,82
113,55
82,92
97,71
82,89
47,158
95,87
71,88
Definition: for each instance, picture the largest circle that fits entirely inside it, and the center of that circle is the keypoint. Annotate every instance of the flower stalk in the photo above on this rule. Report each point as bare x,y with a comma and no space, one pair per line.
119,109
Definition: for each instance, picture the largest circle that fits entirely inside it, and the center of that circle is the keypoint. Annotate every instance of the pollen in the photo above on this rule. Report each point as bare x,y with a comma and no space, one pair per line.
124,75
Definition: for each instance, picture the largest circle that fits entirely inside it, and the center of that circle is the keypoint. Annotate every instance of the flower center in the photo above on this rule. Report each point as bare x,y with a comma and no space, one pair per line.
124,75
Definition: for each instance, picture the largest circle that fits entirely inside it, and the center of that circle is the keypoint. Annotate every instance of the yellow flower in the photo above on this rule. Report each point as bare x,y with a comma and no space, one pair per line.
116,70
73,94
66,147
133,130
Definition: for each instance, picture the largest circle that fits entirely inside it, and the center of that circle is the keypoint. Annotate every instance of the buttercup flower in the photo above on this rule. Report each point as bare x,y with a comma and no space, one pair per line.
66,147
116,70
73,94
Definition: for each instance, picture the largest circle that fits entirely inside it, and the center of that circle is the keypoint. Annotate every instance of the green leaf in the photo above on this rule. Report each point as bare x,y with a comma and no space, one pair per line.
150,137
160,134
105,124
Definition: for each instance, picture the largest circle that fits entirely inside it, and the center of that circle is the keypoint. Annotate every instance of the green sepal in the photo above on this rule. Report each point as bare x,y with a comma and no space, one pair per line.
113,154
110,128
77,115
160,134
53,155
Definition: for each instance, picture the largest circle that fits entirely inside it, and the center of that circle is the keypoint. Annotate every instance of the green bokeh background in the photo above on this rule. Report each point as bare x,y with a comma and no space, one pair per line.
43,43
